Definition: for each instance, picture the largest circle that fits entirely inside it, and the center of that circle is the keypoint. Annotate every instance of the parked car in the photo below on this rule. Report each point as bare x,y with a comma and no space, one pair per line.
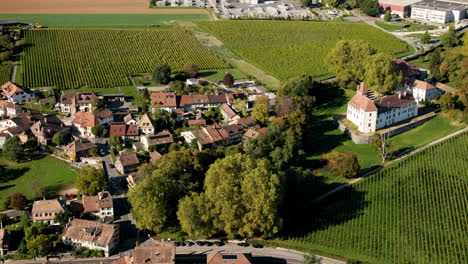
257,246
208,243
189,243
200,243
179,244
219,243
243,244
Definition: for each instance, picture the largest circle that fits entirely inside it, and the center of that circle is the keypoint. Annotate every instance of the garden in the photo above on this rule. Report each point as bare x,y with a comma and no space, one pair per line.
288,49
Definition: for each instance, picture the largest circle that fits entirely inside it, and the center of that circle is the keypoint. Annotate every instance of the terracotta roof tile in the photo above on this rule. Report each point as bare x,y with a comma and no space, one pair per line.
360,101
164,99
160,138
129,159
227,258
90,231
96,202
423,85
10,89
84,119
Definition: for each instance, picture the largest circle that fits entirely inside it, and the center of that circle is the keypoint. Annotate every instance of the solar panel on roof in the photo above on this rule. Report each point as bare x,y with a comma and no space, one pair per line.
229,256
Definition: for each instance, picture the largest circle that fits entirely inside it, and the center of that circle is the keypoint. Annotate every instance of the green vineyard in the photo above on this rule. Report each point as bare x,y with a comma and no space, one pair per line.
288,49
5,71
414,211
73,58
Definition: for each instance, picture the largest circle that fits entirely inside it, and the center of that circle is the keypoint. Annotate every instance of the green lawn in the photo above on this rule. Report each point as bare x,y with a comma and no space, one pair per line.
49,173
419,36
102,20
129,91
288,49
218,75
411,27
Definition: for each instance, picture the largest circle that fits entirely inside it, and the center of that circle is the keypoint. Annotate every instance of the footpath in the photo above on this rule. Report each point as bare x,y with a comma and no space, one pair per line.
356,180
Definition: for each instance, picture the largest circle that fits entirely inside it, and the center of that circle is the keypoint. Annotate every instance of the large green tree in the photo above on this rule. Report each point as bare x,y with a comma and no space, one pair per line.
195,216
191,69
39,245
347,59
261,109
450,39
12,149
58,139
381,74
343,164
435,60
90,180
97,131
162,74
244,194
370,7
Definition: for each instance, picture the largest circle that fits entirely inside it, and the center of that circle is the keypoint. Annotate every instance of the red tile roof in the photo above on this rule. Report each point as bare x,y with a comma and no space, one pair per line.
164,99
117,129
396,101
85,119
185,100
10,89
423,85
129,159
227,258
360,101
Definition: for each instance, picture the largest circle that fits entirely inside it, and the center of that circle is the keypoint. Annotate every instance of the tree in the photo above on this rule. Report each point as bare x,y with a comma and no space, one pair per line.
370,7
240,106
98,131
98,105
39,246
12,148
91,180
92,152
228,80
191,69
426,38
332,3
31,144
261,109
115,142
245,195
18,201
435,61
311,258
353,3
194,216
379,143
447,102
163,119
381,74
162,74
306,3
343,164
63,217
58,139
450,39
347,61
388,15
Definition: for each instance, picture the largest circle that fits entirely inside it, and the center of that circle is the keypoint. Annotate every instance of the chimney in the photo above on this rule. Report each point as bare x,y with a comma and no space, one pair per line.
399,96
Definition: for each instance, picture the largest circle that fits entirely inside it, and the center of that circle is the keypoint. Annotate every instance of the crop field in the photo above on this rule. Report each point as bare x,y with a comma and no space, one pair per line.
102,20
413,211
5,71
289,49
74,58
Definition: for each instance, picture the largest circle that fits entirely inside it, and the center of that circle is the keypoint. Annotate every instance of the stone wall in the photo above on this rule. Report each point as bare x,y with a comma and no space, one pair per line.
356,138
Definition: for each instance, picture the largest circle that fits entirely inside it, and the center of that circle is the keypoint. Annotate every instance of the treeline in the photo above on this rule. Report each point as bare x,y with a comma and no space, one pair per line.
233,191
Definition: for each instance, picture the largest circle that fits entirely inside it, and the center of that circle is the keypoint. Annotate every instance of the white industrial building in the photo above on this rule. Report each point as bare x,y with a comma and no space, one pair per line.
438,11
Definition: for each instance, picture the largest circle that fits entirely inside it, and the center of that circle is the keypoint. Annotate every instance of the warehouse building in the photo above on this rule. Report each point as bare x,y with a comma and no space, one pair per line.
438,11
401,8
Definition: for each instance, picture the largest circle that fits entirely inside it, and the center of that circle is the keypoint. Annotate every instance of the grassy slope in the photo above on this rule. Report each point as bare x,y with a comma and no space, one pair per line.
102,20
49,173
288,49
412,26
410,212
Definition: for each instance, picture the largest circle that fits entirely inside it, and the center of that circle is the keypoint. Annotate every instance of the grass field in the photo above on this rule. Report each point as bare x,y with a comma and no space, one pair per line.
419,36
289,49
410,27
75,58
5,71
102,20
413,211
49,173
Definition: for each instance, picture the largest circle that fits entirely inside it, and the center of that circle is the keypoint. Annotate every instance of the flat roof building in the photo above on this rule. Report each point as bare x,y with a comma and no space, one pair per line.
401,8
438,11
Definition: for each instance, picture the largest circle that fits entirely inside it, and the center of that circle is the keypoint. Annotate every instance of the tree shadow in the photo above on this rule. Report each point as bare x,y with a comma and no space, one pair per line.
6,187
11,174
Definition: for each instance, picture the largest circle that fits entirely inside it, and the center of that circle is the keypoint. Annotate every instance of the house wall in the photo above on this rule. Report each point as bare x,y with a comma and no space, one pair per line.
107,211
432,15
427,95
365,120
396,115
119,167
21,98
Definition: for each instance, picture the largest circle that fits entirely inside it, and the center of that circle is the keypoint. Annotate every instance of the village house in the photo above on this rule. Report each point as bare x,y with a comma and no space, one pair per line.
70,103
166,101
227,258
128,133
16,94
369,115
9,109
78,149
159,254
45,129
4,239
46,210
84,122
3,138
127,163
253,133
91,235
21,124
112,98
104,117
100,205
228,113
424,91
161,139
146,124
214,136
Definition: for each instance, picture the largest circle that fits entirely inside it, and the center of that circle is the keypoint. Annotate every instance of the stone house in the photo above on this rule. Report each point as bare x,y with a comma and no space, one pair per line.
92,235
16,94
162,139
127,162
70,103
78,148
9,109
100,205
46,210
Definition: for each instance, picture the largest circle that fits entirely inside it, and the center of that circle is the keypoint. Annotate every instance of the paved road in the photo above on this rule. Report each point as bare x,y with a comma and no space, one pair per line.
353,181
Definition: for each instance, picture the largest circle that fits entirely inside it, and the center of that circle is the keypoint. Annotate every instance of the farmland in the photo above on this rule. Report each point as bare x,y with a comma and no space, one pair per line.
413,211
288,49
74,58
5,73
102,20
